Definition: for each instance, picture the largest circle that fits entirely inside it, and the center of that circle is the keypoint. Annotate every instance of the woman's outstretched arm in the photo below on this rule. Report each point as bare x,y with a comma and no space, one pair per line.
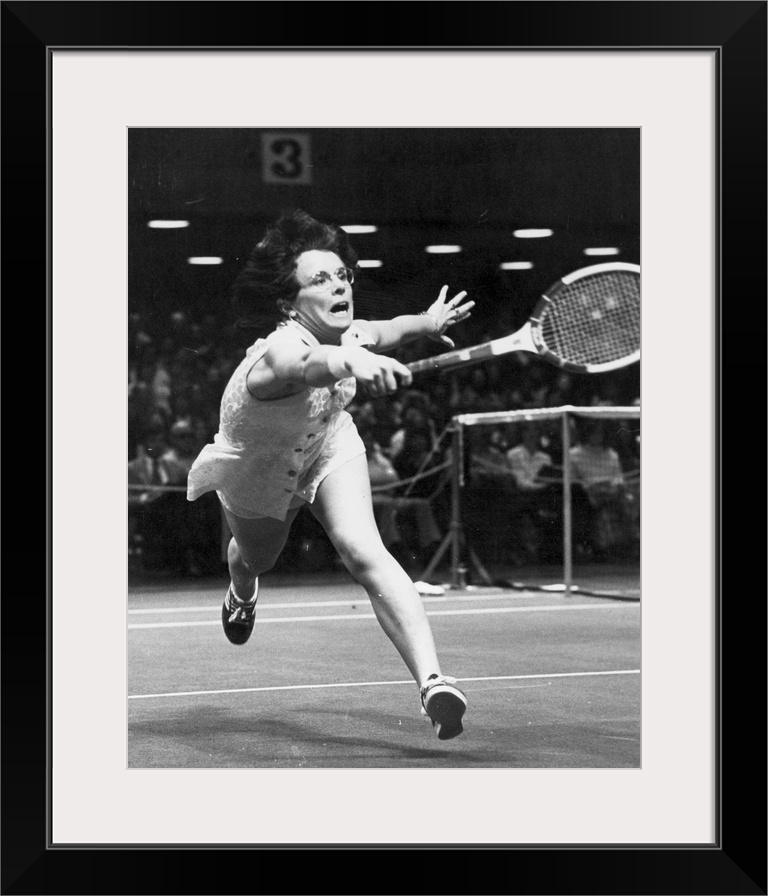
388,334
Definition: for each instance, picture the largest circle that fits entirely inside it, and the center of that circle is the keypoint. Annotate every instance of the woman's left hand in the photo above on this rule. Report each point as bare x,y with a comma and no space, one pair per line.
446,314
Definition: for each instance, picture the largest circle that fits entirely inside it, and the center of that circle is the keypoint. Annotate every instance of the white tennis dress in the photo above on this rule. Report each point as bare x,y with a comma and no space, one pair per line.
270,456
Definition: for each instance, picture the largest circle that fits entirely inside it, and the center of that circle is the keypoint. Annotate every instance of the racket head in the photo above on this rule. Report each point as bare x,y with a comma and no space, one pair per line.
589,320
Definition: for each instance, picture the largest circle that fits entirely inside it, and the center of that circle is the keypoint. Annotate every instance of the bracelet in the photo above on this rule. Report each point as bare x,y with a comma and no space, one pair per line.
434,319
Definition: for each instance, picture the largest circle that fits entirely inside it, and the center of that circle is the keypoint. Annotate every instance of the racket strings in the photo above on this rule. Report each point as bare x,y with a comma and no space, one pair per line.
594,320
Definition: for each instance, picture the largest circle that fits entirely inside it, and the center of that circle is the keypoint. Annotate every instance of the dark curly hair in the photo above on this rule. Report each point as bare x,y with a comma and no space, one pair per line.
269,275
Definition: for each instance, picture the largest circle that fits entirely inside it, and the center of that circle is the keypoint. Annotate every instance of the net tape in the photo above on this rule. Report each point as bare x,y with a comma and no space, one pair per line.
500,417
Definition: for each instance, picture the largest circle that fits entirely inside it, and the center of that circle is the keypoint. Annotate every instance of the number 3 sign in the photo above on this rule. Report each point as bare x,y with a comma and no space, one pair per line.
286,158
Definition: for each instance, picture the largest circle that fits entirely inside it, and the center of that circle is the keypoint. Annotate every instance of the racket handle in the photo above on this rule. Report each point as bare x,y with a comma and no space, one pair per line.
451,360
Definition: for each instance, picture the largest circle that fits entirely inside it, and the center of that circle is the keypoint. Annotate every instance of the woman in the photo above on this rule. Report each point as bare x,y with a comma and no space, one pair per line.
285,440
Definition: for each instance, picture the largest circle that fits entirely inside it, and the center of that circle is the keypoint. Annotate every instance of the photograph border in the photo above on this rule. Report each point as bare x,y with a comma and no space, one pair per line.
736,864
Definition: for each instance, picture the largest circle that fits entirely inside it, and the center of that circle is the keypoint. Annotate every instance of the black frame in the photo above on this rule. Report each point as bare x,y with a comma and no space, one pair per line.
737,863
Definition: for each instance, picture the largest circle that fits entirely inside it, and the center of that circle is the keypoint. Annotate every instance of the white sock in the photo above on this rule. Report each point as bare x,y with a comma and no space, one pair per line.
240,600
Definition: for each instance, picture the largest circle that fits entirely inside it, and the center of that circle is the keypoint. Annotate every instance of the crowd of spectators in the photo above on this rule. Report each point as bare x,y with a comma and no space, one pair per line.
179,365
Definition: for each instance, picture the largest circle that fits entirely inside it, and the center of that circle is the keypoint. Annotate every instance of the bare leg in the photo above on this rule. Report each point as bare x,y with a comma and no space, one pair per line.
254,549
344,508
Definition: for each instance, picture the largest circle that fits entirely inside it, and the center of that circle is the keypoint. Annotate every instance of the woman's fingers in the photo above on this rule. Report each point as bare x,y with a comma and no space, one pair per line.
460,314
464,310
403,374
457,298
388,378
390,383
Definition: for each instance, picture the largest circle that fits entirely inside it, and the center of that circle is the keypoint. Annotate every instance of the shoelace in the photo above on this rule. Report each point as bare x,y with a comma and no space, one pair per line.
239,615
241,612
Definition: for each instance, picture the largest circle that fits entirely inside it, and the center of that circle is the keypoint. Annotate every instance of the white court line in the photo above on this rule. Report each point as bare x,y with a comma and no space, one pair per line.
473,612
369,684
337,603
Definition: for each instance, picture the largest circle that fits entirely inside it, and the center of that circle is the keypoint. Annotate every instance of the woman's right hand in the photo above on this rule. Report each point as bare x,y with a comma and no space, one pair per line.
377,374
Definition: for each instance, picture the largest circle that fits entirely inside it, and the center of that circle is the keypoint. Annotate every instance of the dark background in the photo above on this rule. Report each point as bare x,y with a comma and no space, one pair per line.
465,186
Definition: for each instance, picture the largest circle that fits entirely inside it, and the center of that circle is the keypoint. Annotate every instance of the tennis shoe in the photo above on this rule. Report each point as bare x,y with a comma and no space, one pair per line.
238,616
445,705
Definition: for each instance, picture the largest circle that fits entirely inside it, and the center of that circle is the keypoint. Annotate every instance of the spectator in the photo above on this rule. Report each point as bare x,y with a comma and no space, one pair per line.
152,510
597,469
183,446
417,454
488,458
395,513
173,535
526,460
415,423
535,507
487,499
561,392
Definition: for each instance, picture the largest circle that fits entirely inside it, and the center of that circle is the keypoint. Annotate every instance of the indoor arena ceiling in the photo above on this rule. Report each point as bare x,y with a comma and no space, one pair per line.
466,187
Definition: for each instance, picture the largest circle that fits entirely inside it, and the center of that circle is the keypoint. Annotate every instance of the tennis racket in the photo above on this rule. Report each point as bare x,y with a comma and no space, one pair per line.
587,322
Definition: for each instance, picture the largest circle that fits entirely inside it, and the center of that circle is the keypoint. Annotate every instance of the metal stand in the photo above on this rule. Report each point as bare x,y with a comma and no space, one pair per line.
567,515
455,539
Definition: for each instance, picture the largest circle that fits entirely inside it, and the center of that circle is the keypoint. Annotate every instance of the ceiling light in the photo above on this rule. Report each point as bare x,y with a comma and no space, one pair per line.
370,263
442,250
359,228
606,250
532,233
516,265
205,259
167,225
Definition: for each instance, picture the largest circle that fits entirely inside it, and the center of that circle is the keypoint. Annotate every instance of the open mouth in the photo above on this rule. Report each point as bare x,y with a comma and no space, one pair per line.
340,308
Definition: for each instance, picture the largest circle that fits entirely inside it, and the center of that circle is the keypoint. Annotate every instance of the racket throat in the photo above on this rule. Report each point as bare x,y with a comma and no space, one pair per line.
521,341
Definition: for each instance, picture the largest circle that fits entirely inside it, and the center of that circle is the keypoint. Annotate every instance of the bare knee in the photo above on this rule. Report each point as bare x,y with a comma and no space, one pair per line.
362,561
253,564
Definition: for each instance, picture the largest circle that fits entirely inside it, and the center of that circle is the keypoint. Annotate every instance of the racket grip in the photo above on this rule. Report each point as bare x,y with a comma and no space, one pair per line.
450,360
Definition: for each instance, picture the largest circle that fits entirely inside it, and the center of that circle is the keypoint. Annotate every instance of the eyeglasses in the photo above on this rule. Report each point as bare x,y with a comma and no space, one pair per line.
322,279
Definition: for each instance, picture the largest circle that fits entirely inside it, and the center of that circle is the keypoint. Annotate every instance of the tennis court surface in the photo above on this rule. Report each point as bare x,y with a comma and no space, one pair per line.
553,681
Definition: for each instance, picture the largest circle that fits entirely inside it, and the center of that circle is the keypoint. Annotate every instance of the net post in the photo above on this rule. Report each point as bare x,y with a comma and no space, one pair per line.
567,517
457,482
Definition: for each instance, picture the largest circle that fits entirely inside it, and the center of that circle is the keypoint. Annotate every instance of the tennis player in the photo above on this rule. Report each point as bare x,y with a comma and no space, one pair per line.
285,440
